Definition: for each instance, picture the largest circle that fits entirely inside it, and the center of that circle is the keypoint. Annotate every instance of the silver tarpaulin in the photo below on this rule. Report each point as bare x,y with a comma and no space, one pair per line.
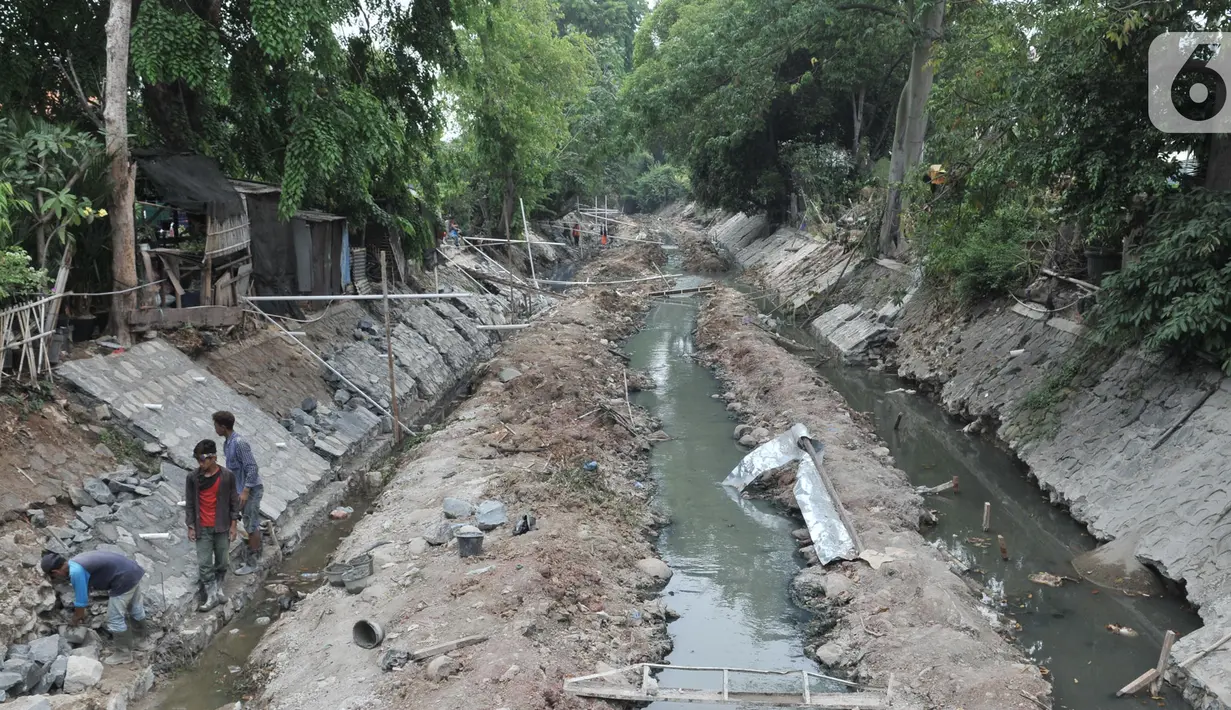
830,538
774,453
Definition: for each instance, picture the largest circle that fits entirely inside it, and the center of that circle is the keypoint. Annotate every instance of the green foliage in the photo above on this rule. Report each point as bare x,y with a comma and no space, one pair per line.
1177,296
16,275
977,255
514,96
44,166
822,172
174,45
659,186
724,87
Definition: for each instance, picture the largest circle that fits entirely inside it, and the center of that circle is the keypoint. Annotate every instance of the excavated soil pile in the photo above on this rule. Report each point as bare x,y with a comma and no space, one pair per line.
912,617
548,433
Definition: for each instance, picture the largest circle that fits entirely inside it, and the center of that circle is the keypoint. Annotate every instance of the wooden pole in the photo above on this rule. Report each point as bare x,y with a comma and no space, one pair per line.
987,517
1163,656
833,494
393,390
529,252
1004,549
897,421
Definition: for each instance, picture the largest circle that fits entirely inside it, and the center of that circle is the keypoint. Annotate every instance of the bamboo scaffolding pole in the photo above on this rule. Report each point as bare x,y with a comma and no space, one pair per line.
393,389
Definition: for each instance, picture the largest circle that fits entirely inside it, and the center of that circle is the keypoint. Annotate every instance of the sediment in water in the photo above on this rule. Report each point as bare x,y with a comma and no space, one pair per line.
913,617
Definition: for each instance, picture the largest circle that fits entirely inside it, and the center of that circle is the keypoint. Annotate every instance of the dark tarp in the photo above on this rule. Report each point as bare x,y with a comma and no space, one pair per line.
193,183
273,259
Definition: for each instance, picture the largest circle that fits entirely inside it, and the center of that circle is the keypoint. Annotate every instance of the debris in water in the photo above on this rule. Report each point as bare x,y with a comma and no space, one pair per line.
341,513
901,390
1122,630
1046,578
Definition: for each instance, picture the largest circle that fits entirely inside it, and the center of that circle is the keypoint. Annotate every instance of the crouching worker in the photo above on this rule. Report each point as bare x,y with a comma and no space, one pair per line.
211,509
97,570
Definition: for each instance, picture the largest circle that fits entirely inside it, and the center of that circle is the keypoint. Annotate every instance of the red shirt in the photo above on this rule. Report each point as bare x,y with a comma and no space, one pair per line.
207,503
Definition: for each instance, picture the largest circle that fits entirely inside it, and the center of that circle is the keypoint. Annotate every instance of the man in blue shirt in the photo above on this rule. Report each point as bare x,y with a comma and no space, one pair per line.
247,483
100,570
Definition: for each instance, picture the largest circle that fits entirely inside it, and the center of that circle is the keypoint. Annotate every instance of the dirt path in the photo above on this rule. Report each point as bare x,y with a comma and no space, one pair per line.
554,602
913,617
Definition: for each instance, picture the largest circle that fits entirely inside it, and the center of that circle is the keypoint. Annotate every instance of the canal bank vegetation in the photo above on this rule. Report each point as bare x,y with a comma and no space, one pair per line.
1038,155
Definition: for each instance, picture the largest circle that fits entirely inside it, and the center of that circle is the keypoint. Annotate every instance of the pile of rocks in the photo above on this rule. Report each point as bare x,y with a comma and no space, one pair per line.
99,500
459,512
333,432
57,663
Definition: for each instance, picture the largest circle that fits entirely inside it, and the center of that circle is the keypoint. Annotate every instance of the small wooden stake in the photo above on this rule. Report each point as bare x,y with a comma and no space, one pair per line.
1004,549
1157,685
1141,681
987,517
897,421
955,484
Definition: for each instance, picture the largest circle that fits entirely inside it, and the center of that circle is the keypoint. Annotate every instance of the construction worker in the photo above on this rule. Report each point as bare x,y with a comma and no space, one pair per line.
576,234
99,570
248,482
211,512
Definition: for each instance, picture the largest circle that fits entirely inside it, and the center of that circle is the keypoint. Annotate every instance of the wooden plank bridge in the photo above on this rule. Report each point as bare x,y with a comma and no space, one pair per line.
621,684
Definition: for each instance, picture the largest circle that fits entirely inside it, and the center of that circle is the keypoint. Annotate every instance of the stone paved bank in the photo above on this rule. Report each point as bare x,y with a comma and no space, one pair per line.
1107,453
306,427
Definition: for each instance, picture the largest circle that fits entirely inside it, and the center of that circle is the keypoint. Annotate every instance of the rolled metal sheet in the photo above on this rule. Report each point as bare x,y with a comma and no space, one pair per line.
775,453
830,538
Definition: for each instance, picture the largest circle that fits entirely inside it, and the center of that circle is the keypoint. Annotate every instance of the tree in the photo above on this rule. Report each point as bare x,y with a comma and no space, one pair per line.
46,165
519,81
724,86
122,171
911,122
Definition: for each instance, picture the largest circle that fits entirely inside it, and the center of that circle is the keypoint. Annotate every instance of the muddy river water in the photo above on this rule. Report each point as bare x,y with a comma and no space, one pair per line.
734,559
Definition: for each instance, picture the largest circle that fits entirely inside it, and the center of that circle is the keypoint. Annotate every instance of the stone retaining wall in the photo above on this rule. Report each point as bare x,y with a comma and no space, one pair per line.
1105,451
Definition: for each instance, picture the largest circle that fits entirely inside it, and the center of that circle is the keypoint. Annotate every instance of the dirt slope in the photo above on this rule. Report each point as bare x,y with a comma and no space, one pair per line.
912,617
556,601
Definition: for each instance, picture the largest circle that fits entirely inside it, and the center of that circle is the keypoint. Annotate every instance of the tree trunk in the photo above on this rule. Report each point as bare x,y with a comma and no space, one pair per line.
1218,164
122,173
40,235
911,124
506,207
857,101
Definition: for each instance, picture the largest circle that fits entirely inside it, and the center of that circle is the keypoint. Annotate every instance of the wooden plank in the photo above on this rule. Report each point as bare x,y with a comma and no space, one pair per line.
687,695
1140,682
243,280
207,283
807,688
1163,656
197,316
443,648
170,265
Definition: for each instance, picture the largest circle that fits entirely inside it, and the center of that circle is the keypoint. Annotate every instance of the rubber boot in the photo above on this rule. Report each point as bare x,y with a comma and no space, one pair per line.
123,652
249,562
211,597
219,593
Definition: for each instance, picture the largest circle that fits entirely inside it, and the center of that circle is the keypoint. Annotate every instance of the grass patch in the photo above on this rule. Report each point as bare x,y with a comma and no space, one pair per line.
1044,405
128,450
